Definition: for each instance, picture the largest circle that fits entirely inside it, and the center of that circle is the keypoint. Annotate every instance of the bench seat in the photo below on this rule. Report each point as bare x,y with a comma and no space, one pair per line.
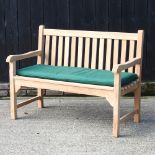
75,74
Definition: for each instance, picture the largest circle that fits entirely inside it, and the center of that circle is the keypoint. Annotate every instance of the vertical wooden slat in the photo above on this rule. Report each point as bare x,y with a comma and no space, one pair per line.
115,57
108,54
94,48
123,52
47,45
131,53
53,51
66,58
80,52
73,49
60,47
40,44
101,54
87,47
139,52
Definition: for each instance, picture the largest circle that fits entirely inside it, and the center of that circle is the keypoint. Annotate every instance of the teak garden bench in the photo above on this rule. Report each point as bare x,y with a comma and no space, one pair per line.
106,64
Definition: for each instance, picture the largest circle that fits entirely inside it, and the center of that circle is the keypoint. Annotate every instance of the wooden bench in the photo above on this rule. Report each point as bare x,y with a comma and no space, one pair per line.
88,52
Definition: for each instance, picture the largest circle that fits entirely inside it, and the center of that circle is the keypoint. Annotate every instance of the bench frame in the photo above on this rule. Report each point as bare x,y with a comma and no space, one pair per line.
112,94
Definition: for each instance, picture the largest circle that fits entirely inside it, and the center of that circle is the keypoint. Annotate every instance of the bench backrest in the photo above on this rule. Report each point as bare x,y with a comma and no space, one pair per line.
89,49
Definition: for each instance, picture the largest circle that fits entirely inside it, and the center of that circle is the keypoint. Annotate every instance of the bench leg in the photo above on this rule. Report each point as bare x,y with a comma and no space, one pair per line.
13,101
40,101
116,117
137,96
116,104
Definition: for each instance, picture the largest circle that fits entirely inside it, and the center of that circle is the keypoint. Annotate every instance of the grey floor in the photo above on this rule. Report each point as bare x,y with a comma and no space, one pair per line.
76,126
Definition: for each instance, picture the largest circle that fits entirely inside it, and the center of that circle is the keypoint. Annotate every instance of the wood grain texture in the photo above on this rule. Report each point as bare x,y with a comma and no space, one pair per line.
87,52
116,107
13,96
123,51
126,65
79,58
73,50
53,51
94,50
60,47
91,34
12,58
41,40
101,54
21,104
131,53
66,57
115,57
47,50
108,54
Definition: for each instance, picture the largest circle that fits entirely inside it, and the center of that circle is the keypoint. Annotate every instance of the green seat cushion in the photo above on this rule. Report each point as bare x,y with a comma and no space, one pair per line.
75,74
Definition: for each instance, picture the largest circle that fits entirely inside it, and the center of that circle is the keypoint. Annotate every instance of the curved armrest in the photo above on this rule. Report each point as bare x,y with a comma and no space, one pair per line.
118,68
30,54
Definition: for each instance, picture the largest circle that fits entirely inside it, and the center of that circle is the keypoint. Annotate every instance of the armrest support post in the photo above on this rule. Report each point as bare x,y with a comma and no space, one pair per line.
12,69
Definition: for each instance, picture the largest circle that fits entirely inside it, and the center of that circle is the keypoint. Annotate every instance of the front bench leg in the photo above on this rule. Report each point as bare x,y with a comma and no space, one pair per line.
116,105
13,101
40,101
116,117
13,96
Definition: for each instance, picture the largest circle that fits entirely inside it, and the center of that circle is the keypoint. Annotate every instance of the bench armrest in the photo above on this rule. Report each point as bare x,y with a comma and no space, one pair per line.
12,58
118,68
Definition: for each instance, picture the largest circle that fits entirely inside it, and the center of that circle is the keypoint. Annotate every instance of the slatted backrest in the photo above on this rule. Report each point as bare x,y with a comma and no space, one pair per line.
89,49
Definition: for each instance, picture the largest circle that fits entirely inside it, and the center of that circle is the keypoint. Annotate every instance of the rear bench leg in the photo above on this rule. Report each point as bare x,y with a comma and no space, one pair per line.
137,95
40,100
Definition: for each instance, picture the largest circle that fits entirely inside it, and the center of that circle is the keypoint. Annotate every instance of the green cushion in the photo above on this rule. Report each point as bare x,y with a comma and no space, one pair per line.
75,74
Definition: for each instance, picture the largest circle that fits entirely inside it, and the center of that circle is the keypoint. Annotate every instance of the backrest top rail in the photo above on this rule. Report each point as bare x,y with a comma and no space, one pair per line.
91,34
